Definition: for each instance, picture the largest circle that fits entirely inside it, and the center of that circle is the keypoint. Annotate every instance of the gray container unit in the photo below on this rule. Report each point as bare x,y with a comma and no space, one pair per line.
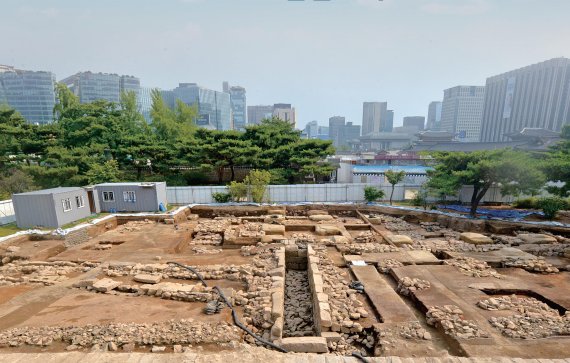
131,197
50,207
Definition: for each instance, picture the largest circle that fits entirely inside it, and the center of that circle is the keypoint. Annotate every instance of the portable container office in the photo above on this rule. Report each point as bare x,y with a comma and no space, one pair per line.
50,207
130,197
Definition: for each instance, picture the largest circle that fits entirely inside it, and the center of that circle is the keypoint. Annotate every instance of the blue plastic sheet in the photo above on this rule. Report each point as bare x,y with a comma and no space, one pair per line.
492,213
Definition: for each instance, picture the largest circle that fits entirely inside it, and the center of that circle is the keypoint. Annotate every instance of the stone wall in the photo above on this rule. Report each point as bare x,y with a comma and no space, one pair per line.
76,237
321,307
278,296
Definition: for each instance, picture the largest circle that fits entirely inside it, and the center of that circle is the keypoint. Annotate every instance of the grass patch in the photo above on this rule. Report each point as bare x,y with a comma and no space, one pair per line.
9,229
83,220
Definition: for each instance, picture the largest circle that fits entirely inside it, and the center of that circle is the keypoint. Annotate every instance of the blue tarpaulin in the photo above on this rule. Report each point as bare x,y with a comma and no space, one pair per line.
492,213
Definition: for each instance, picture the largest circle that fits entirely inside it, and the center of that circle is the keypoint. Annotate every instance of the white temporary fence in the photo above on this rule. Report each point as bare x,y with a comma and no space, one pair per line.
7,214
298,193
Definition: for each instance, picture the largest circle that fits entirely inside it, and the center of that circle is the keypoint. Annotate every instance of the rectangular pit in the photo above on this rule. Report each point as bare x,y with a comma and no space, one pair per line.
302,302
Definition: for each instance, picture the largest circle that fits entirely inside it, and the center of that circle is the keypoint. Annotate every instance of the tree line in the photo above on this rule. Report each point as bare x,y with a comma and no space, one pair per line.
105,142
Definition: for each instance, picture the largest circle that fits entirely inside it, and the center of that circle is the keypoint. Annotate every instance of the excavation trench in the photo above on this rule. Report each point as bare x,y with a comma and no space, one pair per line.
298,302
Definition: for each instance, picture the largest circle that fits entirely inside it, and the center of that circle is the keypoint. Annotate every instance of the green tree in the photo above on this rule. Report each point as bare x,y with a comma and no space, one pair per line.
513,171
304,159
394,177
221,149
52,177
257,181
556,164
107,172
551,205
11,133
238,191
372,194
65,99
133,120
16,181
169,124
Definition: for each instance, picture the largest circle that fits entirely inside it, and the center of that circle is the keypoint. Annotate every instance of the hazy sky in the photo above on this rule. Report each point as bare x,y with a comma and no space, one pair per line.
325,58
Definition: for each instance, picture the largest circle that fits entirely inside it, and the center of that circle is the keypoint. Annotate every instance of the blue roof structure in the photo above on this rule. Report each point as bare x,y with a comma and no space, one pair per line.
381,169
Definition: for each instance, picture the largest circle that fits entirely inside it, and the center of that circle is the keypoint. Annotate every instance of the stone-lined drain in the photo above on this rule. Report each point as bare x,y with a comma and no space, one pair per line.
298,305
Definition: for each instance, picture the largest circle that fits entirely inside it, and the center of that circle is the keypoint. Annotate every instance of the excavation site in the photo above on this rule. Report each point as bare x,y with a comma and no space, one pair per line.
295,283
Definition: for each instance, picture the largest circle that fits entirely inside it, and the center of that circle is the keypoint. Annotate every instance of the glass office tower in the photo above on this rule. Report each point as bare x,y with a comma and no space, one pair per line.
31,93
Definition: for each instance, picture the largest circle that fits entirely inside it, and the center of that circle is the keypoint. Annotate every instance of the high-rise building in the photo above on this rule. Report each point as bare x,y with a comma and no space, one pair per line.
214,110
434,115
376,117
238,106
461,112
536,96
32,93
335,123
312,129
387,121
323,133
347,133
89,86
414,121
285,112
144,102
257,113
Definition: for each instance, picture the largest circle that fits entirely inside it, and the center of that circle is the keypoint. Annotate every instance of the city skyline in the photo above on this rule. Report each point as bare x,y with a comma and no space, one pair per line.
191,39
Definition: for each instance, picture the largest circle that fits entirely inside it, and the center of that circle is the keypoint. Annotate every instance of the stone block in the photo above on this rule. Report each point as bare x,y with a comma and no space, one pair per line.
305,344
321,217
322,297
277,305
324,306
398,239
273,229
276,272
105,285
147,278
277,329
192,217
422,257
325,318
475,238
169,220
331,337
327,230
340,240
535,238
316,212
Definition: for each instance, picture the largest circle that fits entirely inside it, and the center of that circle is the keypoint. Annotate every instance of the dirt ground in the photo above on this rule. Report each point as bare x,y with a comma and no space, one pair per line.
150,244
88,308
